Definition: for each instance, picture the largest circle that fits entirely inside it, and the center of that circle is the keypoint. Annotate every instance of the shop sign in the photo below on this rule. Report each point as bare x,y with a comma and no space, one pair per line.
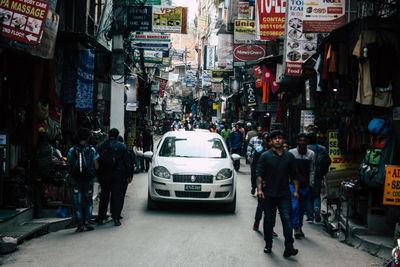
150,56
202,24
323,16
242,53
206,79
23,20
209,57
244,31
169,19
216,106
340,161
271,19
391,192
151,2
225,51
306,121
151,40
102,34
45,49
244,10
139,19
216,87
298,46
155,87
250,92
221,74
178,55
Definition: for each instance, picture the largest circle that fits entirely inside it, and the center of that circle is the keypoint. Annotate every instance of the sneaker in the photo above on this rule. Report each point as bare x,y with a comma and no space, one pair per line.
267,249
89,226
253,191
117,222
290,251
317,215
79,229
256,225
301,233
274,234
297,233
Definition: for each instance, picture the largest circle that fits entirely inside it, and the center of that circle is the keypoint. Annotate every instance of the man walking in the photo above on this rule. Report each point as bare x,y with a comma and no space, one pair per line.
115,175
275,168
147,145
235,143
255,142
82,162
225,134
305,163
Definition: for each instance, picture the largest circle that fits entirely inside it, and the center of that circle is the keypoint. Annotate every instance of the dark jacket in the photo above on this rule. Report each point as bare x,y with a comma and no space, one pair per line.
124,164
235,140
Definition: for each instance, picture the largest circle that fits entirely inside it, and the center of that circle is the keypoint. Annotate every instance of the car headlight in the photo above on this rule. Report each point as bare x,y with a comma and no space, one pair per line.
224,174
162,172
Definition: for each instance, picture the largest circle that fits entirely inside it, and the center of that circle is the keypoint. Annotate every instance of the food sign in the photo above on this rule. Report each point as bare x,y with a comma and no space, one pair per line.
298,46
323,16
23,20
391,193
271,19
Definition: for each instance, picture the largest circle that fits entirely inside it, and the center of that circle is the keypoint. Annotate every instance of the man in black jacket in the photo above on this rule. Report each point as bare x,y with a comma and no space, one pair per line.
147,145
275,168
115,174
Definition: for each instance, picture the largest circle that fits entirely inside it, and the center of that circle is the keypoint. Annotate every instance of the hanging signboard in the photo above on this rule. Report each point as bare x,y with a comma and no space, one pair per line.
220,74
247,53
178,55
23,20
216,87
155,87
139,19
169,19
244,31
323,16
340,161
206,79
391,192
298,46
271,19
202,24
244,10
150,56
306,121
249,90
225,51
209,57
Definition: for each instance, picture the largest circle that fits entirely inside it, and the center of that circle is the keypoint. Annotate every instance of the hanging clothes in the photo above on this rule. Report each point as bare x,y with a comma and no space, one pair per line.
85,80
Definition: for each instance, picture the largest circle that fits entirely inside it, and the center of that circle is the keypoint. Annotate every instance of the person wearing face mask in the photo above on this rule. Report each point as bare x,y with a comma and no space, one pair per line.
254,143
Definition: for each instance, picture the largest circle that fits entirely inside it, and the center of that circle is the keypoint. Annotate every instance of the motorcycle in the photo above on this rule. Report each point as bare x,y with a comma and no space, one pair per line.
395,260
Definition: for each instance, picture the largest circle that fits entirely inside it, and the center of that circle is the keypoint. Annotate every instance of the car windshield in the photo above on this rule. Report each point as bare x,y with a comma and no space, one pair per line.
193,147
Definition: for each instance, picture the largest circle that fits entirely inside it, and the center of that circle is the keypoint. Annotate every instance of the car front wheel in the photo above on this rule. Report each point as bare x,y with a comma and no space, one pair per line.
231,207
151,204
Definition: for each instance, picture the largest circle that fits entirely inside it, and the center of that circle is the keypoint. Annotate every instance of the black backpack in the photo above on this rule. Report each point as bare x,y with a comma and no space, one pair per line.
322,160
108,156
82,163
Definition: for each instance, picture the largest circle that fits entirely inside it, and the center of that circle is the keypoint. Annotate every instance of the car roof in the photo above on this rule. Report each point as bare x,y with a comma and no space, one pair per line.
191,134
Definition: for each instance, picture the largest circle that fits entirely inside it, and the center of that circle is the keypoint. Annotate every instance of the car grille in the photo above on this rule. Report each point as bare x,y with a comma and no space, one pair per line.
187,178
192,194
164,193
221,194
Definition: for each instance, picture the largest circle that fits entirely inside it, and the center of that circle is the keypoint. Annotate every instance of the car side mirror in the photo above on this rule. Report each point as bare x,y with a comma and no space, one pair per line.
235,156
148,154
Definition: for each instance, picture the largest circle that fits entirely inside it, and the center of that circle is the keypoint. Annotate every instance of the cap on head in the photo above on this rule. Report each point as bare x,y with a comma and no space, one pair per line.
276,133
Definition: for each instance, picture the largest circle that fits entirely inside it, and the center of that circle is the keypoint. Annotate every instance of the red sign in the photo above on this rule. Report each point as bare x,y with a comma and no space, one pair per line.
271,19
248,52
23,20
294,69
163,85
323,16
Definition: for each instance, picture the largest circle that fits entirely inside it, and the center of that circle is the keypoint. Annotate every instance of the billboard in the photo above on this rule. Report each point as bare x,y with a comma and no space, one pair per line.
271,19
139,19
244,31
245,53
323,16
23,20
169,19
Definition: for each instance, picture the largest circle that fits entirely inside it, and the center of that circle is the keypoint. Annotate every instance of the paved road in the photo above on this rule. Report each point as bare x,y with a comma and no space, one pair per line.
183,236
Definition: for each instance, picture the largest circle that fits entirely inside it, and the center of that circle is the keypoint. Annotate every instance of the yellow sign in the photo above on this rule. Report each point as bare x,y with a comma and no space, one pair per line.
216,106
391,193
245,26
340,161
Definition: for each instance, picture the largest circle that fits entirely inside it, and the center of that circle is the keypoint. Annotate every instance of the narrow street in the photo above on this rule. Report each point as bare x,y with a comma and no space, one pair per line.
183,236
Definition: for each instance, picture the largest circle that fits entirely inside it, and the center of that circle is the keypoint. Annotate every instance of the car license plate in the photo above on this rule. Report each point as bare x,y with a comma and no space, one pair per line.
192,187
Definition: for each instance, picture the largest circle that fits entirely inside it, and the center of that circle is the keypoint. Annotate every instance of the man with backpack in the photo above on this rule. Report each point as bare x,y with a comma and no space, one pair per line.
322,163
82,160
115,173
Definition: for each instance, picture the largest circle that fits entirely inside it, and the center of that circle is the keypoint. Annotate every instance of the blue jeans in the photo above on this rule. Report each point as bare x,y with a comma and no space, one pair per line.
299,205
314,203
82,193
284,206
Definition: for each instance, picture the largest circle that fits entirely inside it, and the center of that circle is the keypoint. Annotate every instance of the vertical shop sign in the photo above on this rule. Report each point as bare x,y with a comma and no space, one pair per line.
244,31
323,16
271,19
298,46
391,192
249,90
23,20
306,121
210,57
340,161
139,19
244,10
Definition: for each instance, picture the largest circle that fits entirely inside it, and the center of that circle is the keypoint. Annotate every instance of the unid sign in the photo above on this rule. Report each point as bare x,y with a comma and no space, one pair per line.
391,193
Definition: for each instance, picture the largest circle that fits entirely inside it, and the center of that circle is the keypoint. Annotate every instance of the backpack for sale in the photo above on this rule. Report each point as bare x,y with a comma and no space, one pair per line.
108,156
81,163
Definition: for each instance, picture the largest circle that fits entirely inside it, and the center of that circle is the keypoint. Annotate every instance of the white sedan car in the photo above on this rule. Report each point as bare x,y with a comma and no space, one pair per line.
192,167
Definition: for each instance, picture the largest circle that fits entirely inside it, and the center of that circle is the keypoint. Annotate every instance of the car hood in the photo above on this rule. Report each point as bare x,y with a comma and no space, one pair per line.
193,165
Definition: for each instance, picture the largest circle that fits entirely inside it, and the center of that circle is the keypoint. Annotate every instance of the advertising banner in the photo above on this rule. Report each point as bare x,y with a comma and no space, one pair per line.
154,40
225,51
250,92
139,19
169,19
246,53
244,10
217,87
163,85
323,16
306,120
209,57
217,75
271,19
206,79
244,31
202,24
340,161
298,46
391,193
23,20
150,56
